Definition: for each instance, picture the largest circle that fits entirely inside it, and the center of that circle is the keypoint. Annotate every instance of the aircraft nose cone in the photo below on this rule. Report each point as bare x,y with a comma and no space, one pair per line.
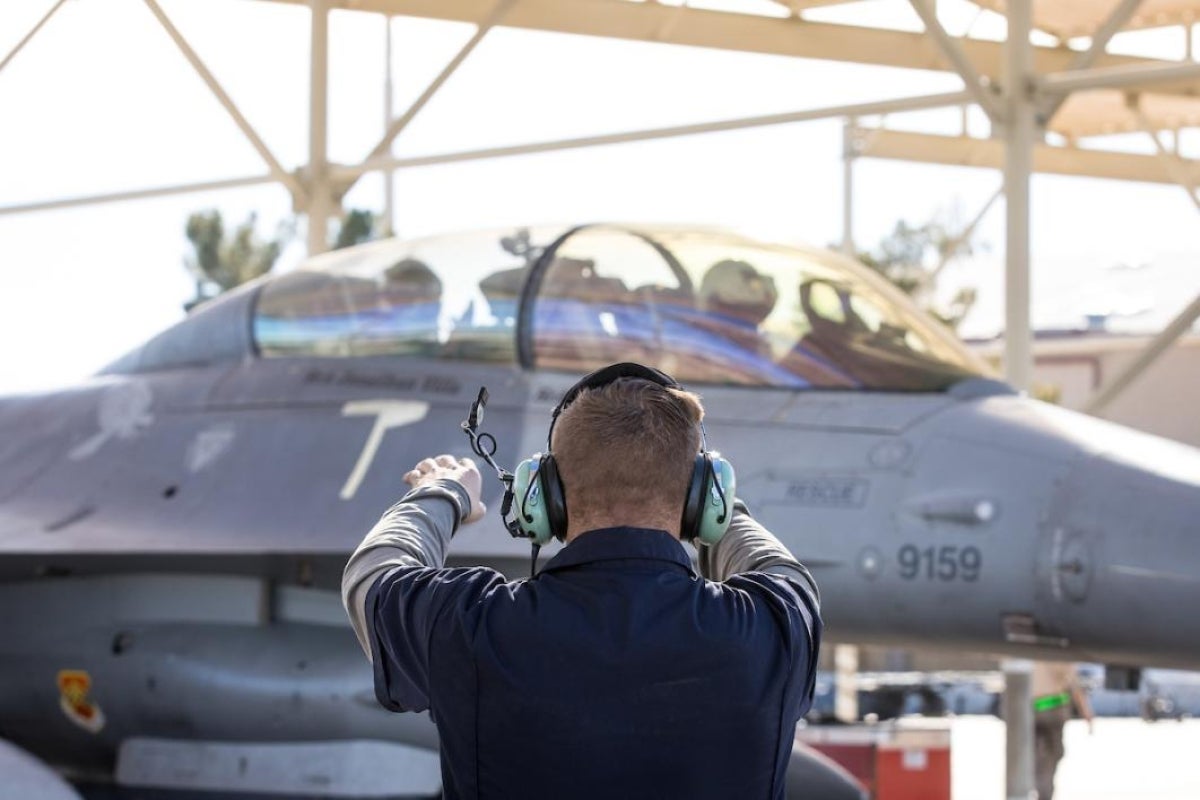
1124,548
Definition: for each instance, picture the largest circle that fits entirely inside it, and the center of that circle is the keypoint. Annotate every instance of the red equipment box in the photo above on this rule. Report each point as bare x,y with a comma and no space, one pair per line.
894,762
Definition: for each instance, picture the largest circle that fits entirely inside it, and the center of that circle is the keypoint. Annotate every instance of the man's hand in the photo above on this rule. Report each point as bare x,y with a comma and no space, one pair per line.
445,467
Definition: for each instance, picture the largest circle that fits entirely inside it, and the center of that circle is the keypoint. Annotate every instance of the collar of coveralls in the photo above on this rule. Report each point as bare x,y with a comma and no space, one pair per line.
621,543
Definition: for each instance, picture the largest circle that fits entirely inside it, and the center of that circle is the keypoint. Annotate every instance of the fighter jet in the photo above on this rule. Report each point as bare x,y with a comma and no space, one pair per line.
172,531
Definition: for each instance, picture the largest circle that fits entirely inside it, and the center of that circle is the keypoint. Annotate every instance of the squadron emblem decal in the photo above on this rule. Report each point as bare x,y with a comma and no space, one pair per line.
73,688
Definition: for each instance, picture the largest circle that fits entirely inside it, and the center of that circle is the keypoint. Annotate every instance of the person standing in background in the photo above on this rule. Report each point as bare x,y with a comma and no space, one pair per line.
1056,693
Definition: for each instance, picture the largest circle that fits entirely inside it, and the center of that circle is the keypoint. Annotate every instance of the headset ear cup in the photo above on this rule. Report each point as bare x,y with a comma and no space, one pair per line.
719,492
529,498
555,497
689,524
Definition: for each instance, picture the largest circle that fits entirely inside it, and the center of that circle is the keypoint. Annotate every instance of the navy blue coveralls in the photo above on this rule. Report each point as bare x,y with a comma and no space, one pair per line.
617,672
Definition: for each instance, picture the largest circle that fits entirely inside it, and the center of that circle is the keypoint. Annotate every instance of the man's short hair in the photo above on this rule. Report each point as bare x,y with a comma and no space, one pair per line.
628,443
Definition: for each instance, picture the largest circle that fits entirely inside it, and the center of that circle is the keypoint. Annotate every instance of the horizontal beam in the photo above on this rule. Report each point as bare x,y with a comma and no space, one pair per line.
899,105
351,172
798,6
136,194
965,151
1156,76
748,33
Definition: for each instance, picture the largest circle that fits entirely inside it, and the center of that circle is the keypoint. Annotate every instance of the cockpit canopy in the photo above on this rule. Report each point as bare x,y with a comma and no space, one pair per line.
705,306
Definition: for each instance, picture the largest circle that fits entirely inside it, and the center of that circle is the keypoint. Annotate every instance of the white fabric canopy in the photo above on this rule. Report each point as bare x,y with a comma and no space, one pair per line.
1070,18
1108,111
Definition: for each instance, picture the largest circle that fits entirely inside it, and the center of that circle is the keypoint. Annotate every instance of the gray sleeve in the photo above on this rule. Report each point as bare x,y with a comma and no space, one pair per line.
415,532
749,547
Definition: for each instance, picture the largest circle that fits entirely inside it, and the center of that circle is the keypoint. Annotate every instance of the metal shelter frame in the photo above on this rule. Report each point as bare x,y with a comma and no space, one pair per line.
1019,86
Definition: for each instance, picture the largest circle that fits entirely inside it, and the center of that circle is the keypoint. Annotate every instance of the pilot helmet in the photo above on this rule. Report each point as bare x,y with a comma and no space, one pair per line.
737,289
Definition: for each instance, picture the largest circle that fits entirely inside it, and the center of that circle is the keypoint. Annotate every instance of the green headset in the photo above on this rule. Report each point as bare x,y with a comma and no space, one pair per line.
542,502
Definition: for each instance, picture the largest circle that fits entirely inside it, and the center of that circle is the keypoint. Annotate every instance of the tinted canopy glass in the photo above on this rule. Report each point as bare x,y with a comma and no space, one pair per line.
446,296
707,307
713,307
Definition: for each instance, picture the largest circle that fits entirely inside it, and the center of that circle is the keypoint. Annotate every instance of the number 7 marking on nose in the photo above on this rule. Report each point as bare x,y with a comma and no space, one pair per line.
388,414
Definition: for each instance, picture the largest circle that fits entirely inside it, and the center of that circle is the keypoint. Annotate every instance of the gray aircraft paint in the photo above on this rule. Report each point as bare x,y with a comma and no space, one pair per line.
177,526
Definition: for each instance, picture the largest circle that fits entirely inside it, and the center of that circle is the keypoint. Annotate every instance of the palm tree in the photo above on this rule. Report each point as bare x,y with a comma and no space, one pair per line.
358,226
219,262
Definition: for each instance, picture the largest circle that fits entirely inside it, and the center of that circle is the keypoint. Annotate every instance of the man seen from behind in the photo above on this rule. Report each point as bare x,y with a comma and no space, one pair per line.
618,671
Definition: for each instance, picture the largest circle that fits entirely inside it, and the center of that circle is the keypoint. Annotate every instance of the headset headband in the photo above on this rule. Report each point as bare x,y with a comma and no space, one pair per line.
605,376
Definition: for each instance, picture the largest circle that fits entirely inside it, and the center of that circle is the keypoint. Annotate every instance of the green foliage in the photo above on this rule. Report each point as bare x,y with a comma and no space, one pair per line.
1047,392
912,256
358,226
220,262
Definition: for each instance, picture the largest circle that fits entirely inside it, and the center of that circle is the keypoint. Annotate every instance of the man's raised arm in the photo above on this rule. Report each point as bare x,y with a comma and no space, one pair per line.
749,547
415,532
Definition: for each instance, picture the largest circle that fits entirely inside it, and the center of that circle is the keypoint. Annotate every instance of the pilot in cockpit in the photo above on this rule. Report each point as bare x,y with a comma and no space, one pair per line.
854,333
732,302
408,299
738,293
737,299
410,282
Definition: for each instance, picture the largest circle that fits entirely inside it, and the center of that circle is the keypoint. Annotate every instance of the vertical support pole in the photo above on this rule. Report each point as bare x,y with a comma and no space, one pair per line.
1018,165
1018,725
1018,342
1188,46
389,175
845,670
320,191
849,153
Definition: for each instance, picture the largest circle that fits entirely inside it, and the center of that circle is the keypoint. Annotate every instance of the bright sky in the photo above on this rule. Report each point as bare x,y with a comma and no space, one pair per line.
102,101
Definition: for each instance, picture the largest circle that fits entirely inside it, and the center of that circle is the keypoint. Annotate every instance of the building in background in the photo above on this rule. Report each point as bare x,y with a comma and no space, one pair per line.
1069,367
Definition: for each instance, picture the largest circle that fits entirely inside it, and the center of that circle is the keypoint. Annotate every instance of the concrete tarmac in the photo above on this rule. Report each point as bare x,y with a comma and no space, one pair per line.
1126,759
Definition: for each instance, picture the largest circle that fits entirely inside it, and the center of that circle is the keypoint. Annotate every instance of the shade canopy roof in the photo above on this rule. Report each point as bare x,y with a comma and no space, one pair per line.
1149,92
1068,19
1108,111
